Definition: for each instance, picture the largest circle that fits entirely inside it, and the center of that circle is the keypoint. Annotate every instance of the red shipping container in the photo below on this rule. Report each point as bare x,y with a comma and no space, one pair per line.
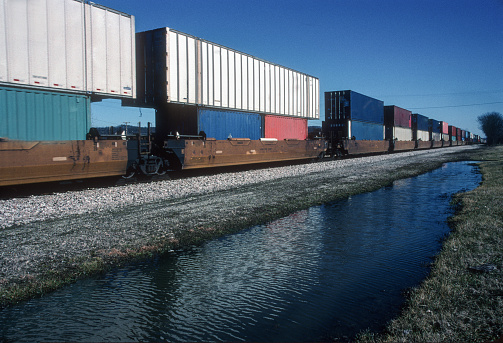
453,133
397,117
445,127
285,127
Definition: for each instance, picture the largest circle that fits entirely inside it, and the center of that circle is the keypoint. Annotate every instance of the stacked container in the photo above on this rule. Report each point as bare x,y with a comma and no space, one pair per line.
398,123
220,124
453,135
55,54
459,135
435,130
445,131
175,68
351,115
37,114
67,45
173,119
420,127
281,127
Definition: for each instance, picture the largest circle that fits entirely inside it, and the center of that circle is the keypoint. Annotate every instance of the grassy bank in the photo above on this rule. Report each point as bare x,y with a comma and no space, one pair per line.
462,299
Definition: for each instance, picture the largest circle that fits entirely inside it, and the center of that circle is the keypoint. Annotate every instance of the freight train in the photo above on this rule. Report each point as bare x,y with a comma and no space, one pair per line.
215,106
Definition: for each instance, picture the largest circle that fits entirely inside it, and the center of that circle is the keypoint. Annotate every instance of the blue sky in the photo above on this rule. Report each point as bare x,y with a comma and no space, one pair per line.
439,58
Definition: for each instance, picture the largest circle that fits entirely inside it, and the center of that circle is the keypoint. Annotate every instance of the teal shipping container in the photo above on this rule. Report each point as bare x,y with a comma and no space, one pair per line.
40,115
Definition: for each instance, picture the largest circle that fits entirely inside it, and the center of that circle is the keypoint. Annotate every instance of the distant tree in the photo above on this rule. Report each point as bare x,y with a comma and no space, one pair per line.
492,125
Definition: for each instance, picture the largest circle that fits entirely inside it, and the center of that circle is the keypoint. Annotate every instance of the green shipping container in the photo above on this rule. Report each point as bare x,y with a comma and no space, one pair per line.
39,115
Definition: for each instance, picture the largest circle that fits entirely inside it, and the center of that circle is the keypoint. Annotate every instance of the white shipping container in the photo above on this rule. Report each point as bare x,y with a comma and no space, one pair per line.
67,45
423,135
402,133
197,72
436,136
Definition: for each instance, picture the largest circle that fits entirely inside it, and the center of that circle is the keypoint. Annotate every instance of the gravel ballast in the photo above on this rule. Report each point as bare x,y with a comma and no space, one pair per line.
50,240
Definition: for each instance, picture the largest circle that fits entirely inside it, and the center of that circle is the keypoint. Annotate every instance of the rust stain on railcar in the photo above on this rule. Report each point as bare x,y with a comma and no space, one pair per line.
219,153
404,145
31,162
423,145
357,147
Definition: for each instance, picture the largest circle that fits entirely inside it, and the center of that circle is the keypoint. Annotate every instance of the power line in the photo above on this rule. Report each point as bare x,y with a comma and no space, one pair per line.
486,103
444,94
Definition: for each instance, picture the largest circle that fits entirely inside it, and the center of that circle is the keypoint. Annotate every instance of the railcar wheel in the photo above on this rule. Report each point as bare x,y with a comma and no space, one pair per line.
131,171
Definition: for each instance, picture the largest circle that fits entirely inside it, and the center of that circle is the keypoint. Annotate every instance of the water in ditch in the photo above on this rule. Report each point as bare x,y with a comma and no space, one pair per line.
321,274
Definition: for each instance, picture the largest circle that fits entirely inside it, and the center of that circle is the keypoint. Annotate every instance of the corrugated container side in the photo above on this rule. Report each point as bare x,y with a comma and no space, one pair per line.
38,45
434,126
422,135
361,130
34,115
199,72
110,51
420,122
365,108
218,124
436,136
67,45
3,44
423,123
445,127
452,133
402,134
350,105
221,124
396,116
285,127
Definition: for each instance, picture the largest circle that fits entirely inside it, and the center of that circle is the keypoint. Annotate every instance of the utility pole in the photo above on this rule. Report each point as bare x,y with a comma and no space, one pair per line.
126,122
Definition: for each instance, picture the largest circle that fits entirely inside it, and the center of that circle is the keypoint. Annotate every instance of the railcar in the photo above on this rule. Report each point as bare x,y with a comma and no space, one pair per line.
215,106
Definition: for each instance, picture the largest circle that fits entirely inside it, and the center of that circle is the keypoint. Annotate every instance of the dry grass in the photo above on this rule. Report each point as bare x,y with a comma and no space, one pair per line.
456,303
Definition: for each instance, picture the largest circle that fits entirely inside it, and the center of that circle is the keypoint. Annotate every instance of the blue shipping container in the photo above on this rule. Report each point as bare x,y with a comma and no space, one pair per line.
420,122
39,115
435,126
221,124
367,131
350,105
190,120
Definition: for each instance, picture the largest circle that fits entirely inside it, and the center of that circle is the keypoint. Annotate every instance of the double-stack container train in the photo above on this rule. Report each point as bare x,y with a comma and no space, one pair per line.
215,106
